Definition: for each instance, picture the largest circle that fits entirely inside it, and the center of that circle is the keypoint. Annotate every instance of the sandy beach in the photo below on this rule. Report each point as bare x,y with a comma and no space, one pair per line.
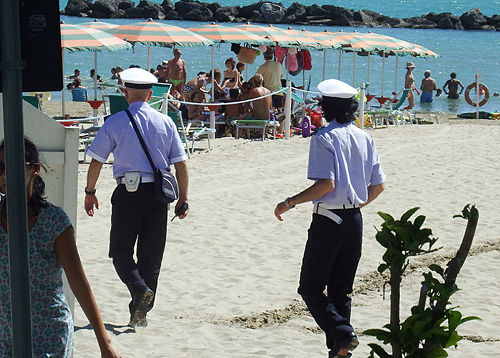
230,271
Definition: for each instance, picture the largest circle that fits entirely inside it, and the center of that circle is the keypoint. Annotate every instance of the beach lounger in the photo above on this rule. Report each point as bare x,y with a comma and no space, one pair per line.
117,103
189,134
158,90
389,116
256,124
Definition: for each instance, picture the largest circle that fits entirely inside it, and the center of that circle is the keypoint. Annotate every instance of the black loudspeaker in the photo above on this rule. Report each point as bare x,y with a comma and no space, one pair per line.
40,45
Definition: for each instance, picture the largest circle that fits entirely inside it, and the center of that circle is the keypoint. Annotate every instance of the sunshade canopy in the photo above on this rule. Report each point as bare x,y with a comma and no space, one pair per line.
81,38
220,33
159,34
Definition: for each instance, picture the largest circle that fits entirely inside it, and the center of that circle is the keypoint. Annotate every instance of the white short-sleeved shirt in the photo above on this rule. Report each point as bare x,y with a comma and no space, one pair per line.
118,136
347,155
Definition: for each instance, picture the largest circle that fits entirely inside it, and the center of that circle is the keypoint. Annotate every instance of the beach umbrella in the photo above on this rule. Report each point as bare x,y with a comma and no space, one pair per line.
100,25
80,38
277,35
152,33
219,33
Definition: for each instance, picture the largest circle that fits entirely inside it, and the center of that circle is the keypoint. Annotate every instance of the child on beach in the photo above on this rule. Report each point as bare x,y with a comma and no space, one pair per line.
52,248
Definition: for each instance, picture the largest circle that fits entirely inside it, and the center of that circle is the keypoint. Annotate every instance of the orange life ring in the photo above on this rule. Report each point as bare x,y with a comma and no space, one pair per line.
482,88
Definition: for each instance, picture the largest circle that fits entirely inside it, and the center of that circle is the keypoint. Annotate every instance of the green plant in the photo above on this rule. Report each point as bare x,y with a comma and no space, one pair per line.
428,331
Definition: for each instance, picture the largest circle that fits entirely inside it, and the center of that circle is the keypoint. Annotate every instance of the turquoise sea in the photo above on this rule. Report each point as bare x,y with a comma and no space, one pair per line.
463,52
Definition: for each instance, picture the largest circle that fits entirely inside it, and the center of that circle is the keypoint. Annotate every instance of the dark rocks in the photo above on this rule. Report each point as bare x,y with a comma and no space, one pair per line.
125,4
251,11
449,21
78,8
419,23
105,8
473,19
340,15
152,10
295,13
316,10
274,12
226,13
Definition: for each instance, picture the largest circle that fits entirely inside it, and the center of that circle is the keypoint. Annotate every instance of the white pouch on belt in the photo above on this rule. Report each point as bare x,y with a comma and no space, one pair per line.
132,181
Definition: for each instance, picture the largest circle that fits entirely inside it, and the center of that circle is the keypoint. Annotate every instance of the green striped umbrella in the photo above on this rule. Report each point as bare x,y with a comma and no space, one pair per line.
80,38
96,24
220,33
152,33
277,35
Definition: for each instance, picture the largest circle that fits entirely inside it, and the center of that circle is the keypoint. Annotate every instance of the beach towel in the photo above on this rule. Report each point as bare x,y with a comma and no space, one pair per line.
279,53
306,60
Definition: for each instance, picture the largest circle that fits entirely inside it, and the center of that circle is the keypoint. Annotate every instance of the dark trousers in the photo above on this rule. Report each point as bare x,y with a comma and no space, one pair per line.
137,218
330,260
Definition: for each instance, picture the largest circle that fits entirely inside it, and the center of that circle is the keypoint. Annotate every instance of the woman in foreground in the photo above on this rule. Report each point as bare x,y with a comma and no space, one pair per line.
52,248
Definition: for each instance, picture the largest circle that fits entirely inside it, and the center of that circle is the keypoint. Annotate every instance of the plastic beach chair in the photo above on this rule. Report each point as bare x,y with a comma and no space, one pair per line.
79,94
117,103
187,134
158,90
256,124
33,100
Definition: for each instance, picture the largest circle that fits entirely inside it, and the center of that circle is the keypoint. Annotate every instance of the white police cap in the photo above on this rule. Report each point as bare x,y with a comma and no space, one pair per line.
137,78
336,88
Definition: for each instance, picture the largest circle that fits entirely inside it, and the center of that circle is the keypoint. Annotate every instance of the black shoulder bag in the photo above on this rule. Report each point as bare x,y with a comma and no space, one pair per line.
166,189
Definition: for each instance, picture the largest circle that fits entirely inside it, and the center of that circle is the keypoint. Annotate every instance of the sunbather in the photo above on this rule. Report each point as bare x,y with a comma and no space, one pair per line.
195,112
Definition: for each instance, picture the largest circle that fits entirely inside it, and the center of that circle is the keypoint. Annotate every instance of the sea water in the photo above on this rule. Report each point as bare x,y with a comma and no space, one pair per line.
463,52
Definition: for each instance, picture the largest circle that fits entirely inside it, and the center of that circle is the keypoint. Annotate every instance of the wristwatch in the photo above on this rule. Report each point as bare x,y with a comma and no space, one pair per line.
287,203
89,192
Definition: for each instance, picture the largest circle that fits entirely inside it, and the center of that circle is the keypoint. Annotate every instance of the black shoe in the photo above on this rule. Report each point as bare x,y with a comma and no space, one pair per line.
350,343
139,308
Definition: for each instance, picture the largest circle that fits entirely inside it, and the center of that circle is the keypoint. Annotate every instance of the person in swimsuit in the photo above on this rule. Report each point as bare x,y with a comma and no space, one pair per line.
410,83
231,75
428,86
452,85
176,72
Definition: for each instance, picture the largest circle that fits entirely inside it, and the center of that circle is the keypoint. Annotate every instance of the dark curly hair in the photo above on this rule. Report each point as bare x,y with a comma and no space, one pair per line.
340,109
32,158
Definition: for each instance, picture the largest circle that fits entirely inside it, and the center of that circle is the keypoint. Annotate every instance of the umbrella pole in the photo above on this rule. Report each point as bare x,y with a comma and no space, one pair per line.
396,75
383,68
340,58
354,69
324,62
369,55
63,103
212,112
149,58
95,77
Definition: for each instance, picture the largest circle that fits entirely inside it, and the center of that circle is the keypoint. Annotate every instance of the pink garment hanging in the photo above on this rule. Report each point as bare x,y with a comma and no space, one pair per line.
291,63
279,53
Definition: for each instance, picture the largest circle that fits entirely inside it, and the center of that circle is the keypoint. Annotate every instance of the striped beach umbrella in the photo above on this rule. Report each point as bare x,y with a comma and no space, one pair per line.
219,33
100,25
80,38
153,33
277,35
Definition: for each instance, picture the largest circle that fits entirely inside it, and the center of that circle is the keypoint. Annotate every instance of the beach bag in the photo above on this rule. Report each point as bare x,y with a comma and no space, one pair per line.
306,127
306,60
235,48
247,55
291,63
166,188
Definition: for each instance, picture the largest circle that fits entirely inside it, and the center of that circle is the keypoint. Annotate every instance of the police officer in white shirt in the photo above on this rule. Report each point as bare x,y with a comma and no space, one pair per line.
346,169
137,216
